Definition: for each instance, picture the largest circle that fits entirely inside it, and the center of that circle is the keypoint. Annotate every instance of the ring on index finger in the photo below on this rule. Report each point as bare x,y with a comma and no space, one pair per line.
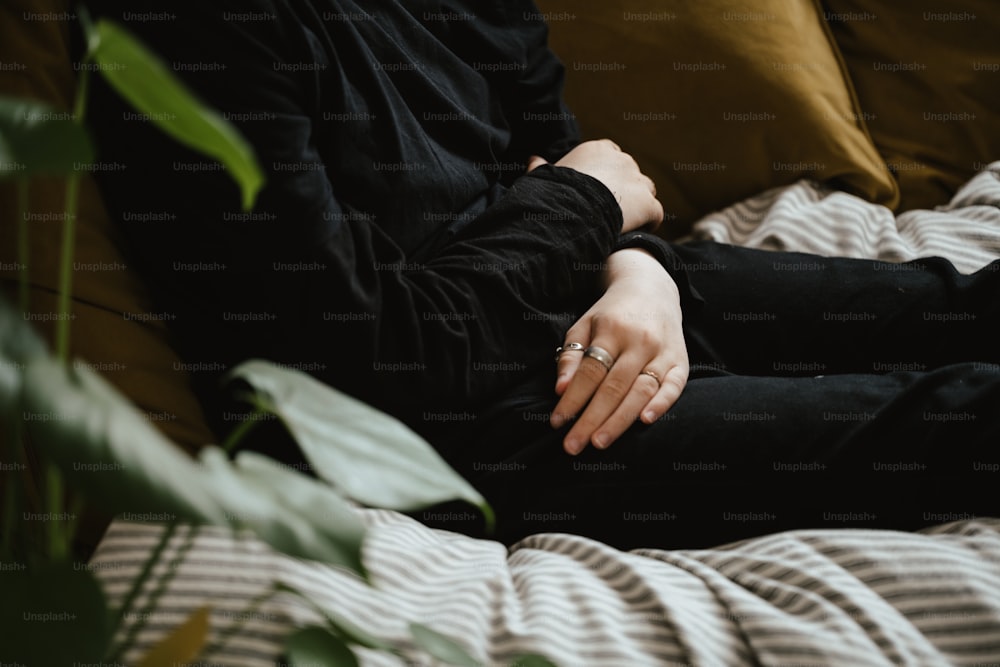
570,347
600,355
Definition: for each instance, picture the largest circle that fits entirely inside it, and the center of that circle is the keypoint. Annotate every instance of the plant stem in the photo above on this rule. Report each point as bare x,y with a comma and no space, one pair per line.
66,268
76,508
58,535
140,581
238,625
23,248
242,429
28,535
69,232
58,548
11,497
12,483
161,587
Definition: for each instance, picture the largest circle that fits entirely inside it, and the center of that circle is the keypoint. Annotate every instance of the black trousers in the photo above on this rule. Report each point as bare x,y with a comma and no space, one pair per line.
824,392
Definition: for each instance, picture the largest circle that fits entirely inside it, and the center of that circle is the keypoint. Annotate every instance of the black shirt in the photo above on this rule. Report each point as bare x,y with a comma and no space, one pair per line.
397,250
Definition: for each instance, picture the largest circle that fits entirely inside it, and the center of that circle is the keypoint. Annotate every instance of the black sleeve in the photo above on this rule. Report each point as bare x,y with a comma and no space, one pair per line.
307,282
542,124
671,261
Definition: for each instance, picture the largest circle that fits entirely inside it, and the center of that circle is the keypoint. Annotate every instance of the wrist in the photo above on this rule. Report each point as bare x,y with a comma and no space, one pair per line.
631,263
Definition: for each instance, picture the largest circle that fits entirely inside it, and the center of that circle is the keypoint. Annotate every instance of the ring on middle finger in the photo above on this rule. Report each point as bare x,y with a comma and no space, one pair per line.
600,355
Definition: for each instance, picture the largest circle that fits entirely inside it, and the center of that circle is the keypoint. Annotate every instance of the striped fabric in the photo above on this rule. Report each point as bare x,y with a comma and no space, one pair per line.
819,597
807,217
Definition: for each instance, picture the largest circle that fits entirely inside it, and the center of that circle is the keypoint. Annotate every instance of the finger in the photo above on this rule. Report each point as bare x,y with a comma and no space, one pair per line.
589,375
649,184
569,362
536,161
655,215
671,387
644,390
603,402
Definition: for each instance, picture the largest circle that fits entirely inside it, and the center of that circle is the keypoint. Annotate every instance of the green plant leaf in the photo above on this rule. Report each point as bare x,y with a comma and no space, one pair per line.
337,624
35,138
56,615
370,456
441,647
315,646
18,340
294,513
182,645
18,344
108,451
141,78
122,463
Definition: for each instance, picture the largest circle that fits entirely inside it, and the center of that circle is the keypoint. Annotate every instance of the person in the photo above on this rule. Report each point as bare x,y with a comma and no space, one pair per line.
432,229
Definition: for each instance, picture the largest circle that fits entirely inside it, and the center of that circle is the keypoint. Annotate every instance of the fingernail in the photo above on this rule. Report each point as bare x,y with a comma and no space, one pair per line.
600,441
649,416
557,420
573,446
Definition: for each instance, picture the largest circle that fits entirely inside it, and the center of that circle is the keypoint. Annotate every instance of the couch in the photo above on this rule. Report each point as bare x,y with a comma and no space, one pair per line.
760,125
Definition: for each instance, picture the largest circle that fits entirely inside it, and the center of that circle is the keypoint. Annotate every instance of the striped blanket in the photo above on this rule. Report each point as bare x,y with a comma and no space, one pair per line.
808,217
819,597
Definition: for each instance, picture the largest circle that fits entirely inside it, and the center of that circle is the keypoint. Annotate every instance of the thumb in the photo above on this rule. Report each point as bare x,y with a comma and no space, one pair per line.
536,161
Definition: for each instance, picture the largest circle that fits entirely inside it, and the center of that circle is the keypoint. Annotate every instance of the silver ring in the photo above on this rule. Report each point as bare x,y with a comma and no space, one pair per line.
570,347
600,355
654,376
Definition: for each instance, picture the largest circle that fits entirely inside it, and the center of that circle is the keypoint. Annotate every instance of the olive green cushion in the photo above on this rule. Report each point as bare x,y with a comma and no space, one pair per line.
716,101
927,74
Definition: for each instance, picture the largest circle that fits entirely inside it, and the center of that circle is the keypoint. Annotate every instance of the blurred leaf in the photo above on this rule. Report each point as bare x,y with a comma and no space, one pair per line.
294,513
182,645
441,647
36,138
18,344
108,451
141,78
370,456
18,340
55,616
532,660
339,625
316,646
119,461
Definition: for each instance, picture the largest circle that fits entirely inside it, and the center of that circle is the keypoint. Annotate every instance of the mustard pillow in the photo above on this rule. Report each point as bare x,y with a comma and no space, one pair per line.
927,75
716,101
112,330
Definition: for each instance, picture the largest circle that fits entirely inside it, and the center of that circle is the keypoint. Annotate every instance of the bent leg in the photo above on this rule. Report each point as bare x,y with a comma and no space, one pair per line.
768,313
740,456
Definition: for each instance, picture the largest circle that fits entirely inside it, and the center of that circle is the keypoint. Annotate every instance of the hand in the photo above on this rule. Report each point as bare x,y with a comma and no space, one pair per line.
604,160
638,321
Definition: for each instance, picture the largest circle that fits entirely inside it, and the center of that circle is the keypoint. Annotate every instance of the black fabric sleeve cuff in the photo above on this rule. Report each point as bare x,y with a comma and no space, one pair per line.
666,256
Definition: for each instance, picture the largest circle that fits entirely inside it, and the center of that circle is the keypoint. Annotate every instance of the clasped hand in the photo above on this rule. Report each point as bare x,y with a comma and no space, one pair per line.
637,321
